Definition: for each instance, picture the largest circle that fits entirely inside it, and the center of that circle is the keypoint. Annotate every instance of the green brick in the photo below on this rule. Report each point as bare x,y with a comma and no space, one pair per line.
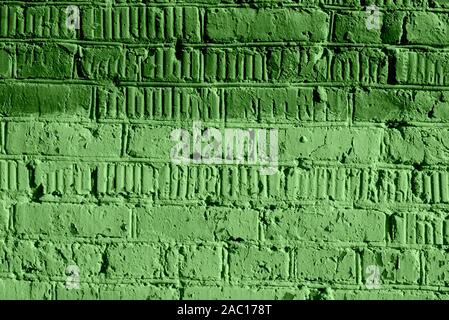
410,145
385,294
252,263
436,276
287,105
47,60
401,106
68,139
84,292
335,265
201,263
150,142
4,264
396,266
239,292
24,290
6,58
225,25
71,220
427,28
90,259
339,144
19,99
351,27
4,216
324,224
39,259
138,292
144,261
198,224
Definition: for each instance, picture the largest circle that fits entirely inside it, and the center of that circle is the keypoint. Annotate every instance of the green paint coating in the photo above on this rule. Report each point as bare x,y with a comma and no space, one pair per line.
86,178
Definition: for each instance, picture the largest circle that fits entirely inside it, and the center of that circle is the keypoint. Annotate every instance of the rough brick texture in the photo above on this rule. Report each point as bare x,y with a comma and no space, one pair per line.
87,182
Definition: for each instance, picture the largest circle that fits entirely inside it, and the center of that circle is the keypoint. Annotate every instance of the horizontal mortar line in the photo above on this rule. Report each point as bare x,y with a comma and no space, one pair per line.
291,84
176,243
299,244
349,205
234,124
342,286
404,123
149,4
30,277
131,199
223,123
170,84
55,81
267,84
148,160
262,4
51,4
292,43
272,5
336,84
113,280
187,123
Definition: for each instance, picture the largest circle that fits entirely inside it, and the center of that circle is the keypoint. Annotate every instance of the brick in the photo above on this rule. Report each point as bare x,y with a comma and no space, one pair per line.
64,179
4,216
436,276
201,263
71,220
90,259
352,27
39,259
45,61
339,144
252,263
323,64
150,142
401,106
125,23
302,104
63,139
396,266
198,224
421,67
20,99
325,224
427,28
329,265
85,292
410,145
24,290
225,25
386,294
248,293
4,264
6,58
139,261
138,292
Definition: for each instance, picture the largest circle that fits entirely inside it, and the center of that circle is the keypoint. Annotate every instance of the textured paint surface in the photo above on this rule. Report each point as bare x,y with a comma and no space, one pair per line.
93,207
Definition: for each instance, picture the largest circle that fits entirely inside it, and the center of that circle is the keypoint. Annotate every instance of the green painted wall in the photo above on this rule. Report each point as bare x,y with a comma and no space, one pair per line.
92,205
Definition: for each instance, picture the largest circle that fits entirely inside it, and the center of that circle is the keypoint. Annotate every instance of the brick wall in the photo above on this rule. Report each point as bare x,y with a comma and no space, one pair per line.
87,182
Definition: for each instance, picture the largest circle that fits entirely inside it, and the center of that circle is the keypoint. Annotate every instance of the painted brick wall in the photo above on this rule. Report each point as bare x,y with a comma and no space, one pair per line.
92,206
